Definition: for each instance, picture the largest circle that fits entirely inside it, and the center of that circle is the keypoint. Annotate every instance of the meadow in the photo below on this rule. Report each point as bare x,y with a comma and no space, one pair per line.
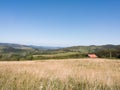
65,74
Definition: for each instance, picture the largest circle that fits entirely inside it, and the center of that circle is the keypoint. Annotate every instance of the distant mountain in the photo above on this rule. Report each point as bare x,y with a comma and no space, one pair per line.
82,49
15,46
44,47
25,47
91,48
15,51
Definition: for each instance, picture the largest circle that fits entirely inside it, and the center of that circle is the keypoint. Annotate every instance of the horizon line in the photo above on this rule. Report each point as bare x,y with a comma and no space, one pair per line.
57,45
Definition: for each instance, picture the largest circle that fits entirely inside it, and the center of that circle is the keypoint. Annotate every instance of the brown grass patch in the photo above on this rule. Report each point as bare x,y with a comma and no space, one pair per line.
71,74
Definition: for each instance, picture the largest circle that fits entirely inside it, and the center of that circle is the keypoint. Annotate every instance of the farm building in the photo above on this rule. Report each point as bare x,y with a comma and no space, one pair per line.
92,56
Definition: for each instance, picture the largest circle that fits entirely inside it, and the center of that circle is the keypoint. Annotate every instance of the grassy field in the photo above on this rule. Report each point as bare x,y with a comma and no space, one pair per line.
72,74
65,55
58,54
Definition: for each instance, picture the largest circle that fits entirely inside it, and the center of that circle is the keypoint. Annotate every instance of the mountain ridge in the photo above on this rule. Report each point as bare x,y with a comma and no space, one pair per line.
12,51
21,46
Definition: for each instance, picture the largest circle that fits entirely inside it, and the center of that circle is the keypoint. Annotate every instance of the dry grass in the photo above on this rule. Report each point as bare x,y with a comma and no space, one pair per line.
73,74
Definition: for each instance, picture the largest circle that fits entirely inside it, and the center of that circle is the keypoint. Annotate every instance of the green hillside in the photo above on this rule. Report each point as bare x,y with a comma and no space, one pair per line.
24,52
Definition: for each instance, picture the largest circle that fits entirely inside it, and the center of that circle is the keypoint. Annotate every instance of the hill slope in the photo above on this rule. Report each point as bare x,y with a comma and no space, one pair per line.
17,51
92,48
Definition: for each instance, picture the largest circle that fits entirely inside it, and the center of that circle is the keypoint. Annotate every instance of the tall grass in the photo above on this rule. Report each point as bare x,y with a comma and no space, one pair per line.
82,74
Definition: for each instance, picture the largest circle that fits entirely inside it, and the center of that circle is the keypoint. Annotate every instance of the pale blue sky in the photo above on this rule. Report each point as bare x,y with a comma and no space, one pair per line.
60,22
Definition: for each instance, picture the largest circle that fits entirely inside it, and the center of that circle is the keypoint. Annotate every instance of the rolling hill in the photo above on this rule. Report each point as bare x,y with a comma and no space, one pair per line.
92,48
11,51
13,47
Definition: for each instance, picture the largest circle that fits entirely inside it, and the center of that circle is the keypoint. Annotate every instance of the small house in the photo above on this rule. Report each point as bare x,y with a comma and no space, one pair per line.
92,56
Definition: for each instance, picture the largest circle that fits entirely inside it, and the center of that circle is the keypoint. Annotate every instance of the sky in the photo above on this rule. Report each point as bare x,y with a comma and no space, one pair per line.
60,22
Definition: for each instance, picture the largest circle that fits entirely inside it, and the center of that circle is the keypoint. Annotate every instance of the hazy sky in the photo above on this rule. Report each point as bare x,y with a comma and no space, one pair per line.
60,22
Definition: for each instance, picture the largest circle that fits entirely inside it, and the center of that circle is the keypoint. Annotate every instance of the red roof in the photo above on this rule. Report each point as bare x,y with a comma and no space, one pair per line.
92,55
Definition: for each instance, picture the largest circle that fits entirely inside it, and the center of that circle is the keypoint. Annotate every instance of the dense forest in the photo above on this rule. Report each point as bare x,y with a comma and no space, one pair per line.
23,52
